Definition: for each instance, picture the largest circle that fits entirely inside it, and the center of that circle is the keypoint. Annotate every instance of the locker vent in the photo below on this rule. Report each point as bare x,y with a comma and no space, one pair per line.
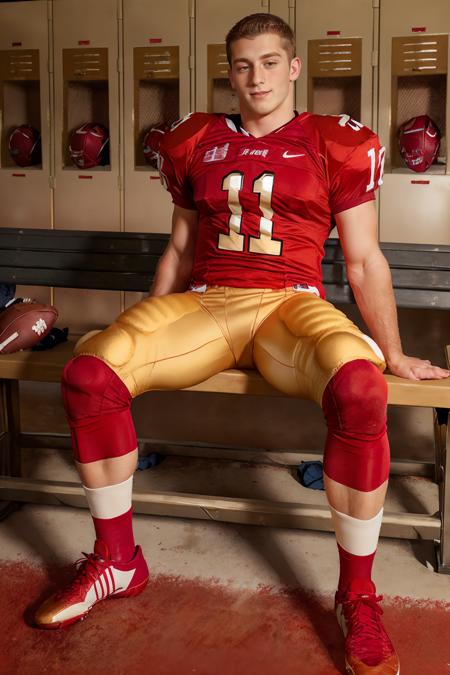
420,56
334,57
217,62
19,65
87,63
156,62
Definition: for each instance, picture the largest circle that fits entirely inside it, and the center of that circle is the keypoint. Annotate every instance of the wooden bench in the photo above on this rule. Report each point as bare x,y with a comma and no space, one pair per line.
119,261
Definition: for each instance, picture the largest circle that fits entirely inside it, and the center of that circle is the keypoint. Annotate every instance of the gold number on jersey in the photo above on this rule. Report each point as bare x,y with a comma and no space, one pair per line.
263,185
381,157
234,240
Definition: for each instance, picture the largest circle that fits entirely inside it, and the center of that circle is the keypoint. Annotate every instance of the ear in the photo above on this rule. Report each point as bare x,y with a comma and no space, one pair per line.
296,66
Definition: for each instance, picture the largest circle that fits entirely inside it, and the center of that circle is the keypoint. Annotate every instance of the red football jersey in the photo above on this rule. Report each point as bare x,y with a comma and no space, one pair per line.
266,205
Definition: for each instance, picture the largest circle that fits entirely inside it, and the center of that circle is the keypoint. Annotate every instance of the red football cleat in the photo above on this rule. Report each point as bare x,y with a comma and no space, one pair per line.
98,577
368,649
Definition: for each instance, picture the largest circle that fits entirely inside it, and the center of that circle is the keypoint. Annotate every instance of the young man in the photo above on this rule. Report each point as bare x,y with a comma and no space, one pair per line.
255,198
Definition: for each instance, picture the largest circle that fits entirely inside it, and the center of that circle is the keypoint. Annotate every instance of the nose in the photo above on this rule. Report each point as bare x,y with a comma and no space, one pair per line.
257,76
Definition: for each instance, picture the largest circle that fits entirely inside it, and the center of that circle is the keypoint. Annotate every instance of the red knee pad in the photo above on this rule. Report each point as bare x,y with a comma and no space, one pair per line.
357,448
97,404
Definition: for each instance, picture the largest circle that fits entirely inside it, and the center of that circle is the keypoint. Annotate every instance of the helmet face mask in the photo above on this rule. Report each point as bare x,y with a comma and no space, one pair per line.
419,139
24,145
89,146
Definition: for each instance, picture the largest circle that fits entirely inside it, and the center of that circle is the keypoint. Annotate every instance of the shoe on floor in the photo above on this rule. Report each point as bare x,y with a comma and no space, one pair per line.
97,577
368,649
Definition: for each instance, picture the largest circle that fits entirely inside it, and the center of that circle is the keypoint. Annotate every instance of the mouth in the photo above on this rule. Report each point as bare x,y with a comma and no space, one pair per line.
259,94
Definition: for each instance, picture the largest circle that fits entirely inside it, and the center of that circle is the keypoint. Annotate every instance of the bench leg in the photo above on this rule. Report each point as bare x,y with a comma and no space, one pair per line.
10,460
442,444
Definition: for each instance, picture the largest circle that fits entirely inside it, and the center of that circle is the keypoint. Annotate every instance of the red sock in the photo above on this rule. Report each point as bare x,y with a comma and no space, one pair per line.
353,567
117,533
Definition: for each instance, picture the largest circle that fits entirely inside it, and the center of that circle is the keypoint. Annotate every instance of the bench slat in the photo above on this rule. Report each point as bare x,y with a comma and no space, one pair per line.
223,509
47,367
108,281
78,261
127,261
80,240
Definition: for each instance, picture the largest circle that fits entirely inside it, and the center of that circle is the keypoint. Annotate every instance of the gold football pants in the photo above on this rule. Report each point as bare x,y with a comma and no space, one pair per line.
295,339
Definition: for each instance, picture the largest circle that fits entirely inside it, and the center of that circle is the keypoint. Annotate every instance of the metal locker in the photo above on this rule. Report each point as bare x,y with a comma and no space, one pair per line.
335,42
25,191
285,9
212,23
86,56
157,86
87,89
414,80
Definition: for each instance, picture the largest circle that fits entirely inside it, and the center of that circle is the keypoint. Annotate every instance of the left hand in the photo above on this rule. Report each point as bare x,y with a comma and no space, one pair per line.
412,368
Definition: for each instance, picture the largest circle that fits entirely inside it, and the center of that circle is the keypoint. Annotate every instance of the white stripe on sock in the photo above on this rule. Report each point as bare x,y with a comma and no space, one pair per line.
358,537
110,501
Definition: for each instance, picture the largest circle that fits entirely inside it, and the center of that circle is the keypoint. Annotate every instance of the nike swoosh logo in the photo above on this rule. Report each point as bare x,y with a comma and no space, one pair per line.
286,155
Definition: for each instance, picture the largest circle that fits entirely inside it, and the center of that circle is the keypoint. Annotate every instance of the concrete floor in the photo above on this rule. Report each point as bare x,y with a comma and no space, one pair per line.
224,599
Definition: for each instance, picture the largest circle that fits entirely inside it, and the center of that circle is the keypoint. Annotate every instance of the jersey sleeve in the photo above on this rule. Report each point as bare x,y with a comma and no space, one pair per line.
355,160
175,152
174,179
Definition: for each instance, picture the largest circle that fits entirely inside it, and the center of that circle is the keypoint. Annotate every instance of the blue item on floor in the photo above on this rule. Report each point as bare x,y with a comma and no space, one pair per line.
310,475
149,461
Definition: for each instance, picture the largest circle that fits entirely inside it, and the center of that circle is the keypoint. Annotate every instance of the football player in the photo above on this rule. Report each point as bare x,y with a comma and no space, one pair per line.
239,285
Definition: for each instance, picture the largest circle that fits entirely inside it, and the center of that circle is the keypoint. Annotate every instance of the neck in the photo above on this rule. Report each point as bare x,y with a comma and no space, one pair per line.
260,125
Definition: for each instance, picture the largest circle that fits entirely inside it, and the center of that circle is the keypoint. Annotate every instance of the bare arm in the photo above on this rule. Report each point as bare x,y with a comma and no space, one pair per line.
370,278
175,265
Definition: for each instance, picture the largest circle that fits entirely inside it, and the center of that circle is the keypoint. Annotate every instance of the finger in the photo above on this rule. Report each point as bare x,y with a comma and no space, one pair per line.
430,373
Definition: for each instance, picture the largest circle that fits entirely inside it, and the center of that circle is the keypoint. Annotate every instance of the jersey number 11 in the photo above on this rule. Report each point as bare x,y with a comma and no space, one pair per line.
234,240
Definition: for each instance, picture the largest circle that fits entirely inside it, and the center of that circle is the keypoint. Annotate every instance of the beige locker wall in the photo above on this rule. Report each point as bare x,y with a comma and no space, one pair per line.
84,310
87,92
284,9
39,293
335,42
87,89
212,22
157,88
25,192
415,207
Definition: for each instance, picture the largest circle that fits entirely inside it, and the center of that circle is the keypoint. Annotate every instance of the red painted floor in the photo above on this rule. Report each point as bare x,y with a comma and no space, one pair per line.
179,627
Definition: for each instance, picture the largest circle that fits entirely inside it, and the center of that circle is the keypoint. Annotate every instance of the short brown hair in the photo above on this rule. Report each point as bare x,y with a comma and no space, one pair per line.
256,24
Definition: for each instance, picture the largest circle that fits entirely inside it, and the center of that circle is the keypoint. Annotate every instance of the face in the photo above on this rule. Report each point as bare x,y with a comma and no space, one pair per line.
262,74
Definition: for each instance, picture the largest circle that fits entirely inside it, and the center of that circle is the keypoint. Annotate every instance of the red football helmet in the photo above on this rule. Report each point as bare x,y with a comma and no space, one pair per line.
25,145
419,140
89,145
152,139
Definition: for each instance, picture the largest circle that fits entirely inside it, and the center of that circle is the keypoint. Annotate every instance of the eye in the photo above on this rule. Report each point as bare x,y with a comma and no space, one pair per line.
270,64
242,69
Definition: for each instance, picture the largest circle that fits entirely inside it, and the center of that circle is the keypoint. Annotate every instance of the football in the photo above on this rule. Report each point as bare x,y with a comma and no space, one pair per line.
23,324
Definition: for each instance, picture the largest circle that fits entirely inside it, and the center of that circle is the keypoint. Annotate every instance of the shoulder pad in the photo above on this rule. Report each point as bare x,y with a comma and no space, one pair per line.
192,125
341,129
